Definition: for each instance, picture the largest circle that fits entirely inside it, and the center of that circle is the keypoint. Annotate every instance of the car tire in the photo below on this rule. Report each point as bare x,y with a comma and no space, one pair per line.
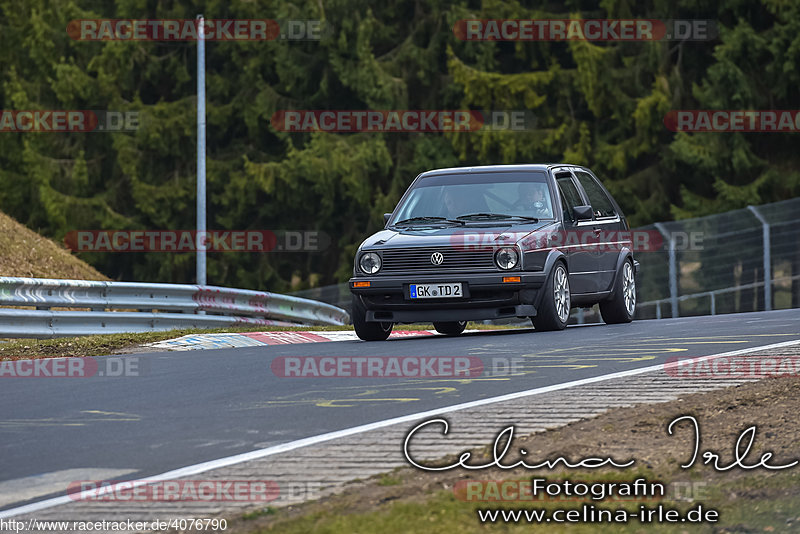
554,308
450,328
368,331
621,305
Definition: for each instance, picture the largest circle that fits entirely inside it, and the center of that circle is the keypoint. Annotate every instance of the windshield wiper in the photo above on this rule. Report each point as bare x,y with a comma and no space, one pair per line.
494,217
415,220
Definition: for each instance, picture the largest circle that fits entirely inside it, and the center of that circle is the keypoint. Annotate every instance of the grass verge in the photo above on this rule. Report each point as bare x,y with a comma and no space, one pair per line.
775,510
747,500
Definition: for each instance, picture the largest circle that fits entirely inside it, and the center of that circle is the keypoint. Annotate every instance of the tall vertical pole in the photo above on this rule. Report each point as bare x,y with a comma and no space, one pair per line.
201,152
673,279
673,269
767,257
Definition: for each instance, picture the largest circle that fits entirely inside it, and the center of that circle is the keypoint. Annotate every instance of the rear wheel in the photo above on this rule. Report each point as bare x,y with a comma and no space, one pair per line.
553,312
450,328
621,306
368,331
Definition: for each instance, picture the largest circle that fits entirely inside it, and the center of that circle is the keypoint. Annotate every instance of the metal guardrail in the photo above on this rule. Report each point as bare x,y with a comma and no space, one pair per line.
147,307
712,295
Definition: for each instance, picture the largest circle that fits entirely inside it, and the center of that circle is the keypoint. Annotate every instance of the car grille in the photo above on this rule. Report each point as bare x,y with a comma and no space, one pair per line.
419,260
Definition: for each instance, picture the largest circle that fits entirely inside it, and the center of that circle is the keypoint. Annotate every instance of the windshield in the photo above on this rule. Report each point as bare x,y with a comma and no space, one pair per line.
515,194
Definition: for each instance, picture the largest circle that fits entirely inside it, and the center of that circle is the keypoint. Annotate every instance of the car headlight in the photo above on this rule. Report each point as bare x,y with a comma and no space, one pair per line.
506,258
370,263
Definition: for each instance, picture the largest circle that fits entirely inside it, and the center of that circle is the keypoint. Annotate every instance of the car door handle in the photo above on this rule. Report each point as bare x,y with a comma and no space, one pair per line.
597,231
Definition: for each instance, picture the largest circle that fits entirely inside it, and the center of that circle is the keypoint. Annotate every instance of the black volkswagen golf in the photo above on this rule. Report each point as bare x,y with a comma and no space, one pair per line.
496,242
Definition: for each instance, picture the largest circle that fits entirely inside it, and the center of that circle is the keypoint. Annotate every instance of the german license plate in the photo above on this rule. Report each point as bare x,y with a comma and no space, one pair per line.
435,291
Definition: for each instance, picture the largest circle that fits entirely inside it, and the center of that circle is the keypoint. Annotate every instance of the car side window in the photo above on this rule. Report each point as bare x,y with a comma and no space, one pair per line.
569,196
601,204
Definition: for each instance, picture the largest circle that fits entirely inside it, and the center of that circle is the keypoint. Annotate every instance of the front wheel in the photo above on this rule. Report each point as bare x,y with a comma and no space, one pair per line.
368,331
621,305
450,328
553,312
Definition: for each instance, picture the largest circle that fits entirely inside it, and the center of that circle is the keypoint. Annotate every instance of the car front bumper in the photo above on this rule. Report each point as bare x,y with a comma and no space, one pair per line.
486,296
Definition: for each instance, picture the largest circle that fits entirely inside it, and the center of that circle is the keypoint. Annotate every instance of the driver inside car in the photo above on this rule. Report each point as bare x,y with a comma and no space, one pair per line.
532,200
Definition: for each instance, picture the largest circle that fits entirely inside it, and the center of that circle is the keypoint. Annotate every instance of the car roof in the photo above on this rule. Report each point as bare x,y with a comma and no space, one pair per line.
541,167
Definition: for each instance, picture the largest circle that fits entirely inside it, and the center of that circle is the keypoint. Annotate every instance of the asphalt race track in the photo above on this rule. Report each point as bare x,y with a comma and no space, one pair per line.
188,407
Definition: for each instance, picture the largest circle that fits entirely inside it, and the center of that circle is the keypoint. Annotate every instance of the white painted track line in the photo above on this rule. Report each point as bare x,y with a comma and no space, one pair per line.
313,440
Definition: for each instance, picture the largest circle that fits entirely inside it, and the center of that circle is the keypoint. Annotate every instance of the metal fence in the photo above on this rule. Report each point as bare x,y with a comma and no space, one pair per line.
336,295
738,261
80,307
708,265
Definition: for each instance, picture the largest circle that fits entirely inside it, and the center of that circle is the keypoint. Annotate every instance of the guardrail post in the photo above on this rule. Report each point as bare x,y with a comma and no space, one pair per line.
579,316
713,304
658,309
673,271
767,258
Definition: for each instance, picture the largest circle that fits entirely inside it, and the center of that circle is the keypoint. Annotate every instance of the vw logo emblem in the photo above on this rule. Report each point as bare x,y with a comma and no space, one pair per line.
437,258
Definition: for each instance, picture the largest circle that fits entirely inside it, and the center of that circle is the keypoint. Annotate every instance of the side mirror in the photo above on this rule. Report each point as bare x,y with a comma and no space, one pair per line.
582,213
386,217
